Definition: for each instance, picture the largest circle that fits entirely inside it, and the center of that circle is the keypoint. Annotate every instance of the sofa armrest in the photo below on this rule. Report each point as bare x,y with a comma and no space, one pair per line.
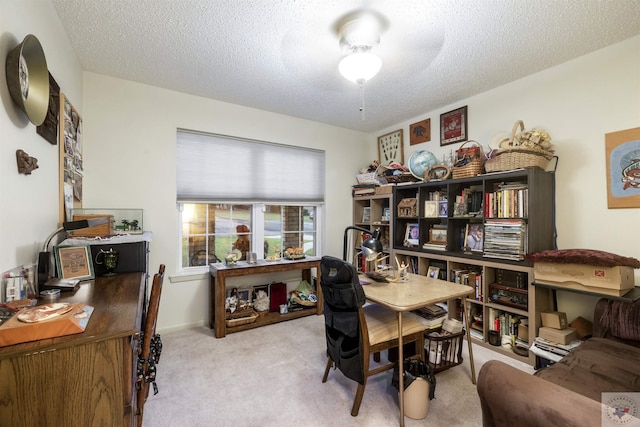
510,397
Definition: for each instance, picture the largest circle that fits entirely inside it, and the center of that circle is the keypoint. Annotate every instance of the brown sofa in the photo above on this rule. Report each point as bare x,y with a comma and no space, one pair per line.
568,393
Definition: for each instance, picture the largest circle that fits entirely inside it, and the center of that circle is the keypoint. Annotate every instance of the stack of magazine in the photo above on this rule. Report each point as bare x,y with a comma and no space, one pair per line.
505,238
551,350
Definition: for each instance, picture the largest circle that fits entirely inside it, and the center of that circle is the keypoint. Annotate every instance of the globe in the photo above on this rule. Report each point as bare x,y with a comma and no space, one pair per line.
420,162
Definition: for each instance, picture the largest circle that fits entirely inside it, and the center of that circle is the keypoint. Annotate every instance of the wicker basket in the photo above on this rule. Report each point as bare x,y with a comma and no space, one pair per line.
470,165
514,158
241,317
518,152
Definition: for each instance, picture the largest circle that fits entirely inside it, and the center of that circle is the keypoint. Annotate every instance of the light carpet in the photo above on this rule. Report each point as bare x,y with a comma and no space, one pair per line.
272,376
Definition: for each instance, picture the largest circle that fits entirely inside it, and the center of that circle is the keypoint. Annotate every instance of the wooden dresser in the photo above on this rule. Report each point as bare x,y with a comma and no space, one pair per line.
86,379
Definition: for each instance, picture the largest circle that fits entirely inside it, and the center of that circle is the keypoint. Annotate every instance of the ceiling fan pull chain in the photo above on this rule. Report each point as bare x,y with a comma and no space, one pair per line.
361,84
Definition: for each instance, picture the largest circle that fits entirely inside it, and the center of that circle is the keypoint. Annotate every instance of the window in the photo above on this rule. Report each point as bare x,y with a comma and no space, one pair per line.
253,205
211,230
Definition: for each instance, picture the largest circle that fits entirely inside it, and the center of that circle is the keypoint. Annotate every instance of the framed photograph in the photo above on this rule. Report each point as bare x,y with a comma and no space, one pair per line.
433,272
623,168
74,262
431,209
453,126
437,236
443,208
420,132
473,238
412,235
366,214
244,295
386,215
390,148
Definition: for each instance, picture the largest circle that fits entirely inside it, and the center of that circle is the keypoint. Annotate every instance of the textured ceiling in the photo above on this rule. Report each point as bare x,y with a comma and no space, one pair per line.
282,55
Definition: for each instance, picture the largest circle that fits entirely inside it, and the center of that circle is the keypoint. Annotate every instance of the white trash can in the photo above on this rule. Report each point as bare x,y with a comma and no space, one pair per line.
416,399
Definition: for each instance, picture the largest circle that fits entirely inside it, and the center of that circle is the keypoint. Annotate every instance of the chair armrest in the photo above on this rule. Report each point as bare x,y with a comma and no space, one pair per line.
510,397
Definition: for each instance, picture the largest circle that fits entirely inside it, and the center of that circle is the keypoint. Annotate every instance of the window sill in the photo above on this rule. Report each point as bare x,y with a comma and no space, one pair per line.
188,276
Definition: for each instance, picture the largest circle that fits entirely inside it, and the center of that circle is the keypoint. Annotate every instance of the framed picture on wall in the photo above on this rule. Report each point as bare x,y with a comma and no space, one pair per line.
420,132
390,148
623,168
453,126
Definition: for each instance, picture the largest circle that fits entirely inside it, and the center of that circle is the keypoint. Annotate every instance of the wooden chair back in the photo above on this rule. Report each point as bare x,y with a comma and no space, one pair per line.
146,377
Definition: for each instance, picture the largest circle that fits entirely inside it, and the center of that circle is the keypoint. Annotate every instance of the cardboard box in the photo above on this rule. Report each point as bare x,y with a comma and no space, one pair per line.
554,319
607,280
560,336
523,332
384,189
102,230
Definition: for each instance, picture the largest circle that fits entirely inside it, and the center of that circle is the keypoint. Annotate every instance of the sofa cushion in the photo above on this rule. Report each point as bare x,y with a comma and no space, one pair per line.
617,319
598,365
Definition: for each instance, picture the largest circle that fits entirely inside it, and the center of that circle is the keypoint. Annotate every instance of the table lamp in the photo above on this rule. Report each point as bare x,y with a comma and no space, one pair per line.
45,258
371,247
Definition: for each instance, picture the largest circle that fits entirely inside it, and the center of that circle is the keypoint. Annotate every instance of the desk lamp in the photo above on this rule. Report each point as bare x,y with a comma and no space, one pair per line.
45,258
370,247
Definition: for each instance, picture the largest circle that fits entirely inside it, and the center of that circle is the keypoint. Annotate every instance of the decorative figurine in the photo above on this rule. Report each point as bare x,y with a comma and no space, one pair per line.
26,163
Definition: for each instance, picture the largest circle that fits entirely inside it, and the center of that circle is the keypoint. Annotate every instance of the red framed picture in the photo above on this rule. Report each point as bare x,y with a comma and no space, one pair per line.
453,126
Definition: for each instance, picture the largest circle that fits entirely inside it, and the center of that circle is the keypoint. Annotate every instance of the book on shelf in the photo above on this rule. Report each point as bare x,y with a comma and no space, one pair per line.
363,190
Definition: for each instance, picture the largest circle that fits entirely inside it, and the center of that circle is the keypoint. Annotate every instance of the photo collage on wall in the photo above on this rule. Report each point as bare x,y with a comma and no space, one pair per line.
73,169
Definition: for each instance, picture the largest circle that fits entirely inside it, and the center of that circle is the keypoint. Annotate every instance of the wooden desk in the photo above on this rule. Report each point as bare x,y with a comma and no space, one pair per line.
82,379
418,291
220,272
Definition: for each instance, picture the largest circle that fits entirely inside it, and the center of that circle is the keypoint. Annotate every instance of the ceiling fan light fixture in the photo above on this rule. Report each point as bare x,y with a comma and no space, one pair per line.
359,67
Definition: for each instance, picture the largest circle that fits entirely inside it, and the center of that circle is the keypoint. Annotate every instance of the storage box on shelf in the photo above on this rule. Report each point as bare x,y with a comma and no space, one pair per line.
514,210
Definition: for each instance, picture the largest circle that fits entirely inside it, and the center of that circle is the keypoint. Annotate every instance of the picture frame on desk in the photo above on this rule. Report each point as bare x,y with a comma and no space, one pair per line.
74,262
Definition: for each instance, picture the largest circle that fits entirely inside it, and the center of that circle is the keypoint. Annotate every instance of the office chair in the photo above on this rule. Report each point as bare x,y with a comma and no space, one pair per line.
151,346
355,332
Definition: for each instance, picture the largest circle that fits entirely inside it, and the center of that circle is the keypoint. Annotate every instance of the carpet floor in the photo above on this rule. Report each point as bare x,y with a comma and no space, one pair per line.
272,376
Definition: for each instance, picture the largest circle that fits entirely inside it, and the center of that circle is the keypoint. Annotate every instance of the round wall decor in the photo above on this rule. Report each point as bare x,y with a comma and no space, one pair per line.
28,79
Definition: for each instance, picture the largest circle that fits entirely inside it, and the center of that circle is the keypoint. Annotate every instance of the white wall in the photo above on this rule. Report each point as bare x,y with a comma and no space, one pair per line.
30,202
130,134
577,103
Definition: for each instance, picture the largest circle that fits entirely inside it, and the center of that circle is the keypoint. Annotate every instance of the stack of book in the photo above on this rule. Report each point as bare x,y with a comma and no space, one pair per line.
510,200
363,190
505,238
550,350
431,316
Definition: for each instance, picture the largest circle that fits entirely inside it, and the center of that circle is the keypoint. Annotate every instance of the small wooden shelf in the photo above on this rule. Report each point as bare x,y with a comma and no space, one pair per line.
220,272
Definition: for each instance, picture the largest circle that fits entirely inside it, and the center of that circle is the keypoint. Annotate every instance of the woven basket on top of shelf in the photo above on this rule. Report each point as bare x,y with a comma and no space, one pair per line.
469,160
521,150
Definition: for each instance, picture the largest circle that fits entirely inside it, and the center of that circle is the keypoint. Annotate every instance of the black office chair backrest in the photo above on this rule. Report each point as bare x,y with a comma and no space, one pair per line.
341,287
343,296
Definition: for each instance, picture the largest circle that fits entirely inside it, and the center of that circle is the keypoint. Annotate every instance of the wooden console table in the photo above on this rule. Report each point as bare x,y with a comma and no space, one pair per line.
220,272
83,379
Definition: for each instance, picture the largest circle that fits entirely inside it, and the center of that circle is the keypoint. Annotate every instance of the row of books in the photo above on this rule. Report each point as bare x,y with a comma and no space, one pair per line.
509,201
504,322
469,277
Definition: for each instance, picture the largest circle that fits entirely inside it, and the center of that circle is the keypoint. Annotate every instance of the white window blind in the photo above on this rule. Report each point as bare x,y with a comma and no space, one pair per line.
220,167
